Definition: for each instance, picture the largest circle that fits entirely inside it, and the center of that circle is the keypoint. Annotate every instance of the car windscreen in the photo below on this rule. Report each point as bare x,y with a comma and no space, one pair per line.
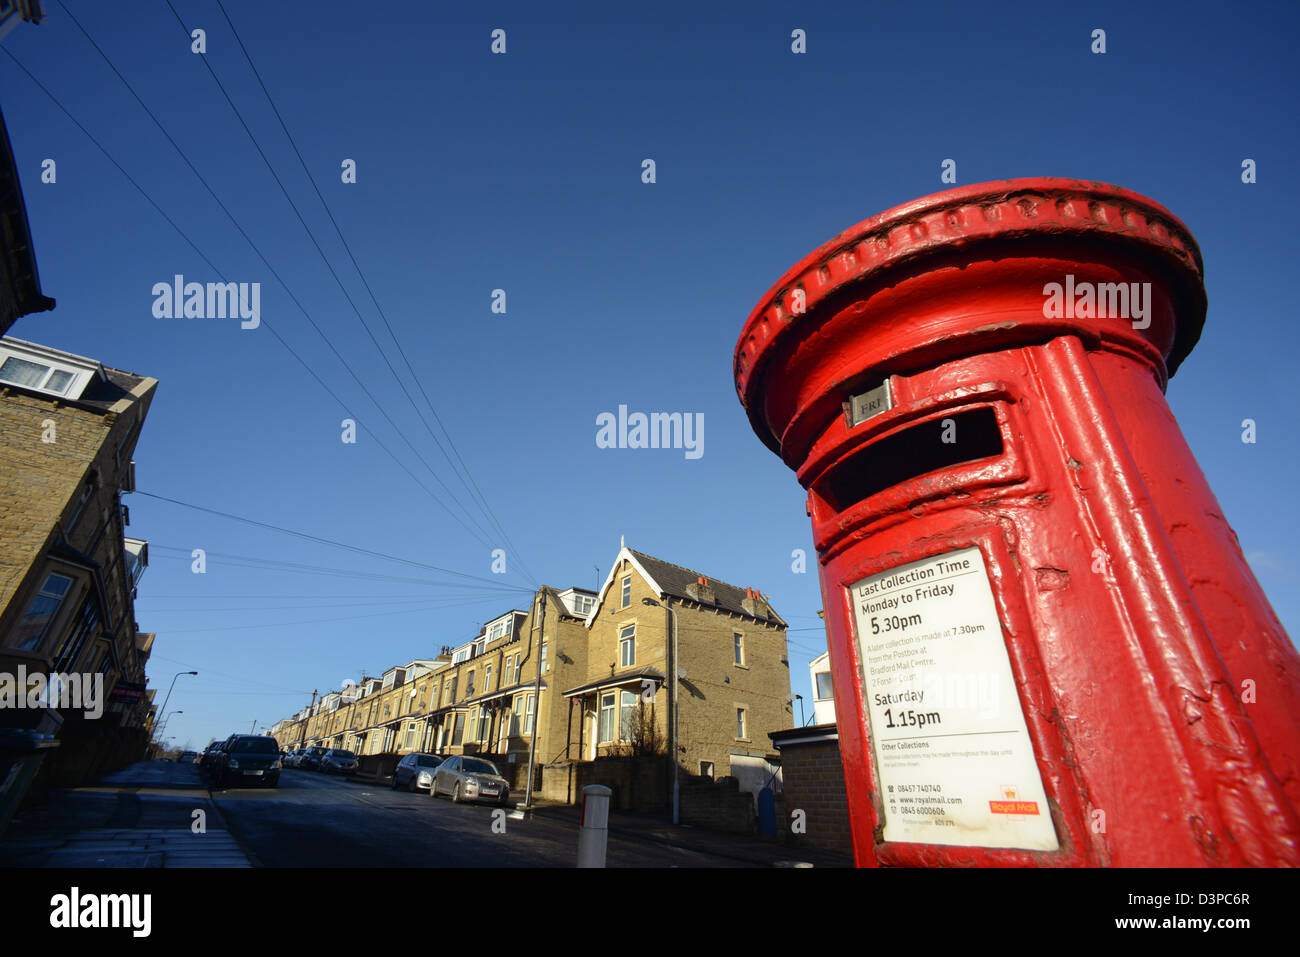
477,767
343,755
255,746
428,761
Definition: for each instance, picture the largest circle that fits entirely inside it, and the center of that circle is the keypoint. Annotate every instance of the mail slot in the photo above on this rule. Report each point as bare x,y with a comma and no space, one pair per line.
1046,644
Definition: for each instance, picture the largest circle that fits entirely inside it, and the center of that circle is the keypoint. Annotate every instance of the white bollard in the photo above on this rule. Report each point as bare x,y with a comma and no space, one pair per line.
593,827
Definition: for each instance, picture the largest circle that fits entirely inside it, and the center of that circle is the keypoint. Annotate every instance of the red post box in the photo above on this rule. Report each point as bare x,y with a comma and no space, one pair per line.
1046,645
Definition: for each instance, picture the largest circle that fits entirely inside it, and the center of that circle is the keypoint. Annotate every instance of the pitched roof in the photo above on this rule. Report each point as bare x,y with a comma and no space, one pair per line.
674,580
614,680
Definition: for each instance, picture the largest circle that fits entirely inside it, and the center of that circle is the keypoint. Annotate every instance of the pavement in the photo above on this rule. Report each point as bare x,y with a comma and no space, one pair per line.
140,816
746,850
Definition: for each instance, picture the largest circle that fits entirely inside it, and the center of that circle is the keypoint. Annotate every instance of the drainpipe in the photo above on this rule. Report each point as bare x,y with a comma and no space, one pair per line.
537,708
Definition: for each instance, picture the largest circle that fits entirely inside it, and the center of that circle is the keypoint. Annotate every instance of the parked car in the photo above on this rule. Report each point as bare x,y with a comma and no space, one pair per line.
338,761
291,759
309,760
247,758
209,753
415,771
470,779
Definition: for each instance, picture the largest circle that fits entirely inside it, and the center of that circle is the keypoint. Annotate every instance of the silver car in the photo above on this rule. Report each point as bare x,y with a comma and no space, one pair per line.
338,761
470,779
415,771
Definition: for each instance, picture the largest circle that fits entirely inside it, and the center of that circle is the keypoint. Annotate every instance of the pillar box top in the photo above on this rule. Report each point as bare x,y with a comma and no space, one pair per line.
958,273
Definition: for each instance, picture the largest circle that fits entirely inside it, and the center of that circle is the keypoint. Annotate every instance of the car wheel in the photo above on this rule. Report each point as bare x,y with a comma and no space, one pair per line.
455,793
412,787
505,798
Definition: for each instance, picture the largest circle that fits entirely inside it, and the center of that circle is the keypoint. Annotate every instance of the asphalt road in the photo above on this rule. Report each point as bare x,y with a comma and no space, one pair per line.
315,820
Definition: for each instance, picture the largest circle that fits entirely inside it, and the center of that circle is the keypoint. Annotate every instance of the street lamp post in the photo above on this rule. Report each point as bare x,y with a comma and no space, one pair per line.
164,722
163,709
676,782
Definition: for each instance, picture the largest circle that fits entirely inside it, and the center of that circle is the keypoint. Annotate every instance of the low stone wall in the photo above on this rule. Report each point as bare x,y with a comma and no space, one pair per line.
638,784
719,805
376,767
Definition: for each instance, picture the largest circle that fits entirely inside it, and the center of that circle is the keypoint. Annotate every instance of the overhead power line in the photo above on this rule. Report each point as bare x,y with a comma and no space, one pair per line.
316,606
249,561
466,477
478,532
329,541
314,621
325,259
277,596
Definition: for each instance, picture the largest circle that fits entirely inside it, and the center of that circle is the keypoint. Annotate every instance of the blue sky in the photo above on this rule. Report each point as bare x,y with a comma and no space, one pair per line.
522,172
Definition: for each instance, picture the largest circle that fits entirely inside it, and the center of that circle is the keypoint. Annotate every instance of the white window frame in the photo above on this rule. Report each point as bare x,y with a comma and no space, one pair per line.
627,591
601,708
738,648
530,712
629,701
626,644
516,715
741,722
59,598
72,389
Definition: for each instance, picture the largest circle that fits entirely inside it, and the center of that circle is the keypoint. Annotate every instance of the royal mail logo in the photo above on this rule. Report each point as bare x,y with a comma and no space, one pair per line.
1013,807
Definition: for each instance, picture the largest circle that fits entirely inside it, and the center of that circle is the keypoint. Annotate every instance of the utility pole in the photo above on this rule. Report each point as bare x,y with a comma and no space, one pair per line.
302,737
537,706
672,618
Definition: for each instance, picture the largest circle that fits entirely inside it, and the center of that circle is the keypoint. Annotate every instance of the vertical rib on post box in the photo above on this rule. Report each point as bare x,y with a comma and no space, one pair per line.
1047,646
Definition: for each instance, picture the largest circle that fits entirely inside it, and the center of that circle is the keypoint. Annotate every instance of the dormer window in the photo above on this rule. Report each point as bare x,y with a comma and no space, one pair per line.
34,375
42,369
501,629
